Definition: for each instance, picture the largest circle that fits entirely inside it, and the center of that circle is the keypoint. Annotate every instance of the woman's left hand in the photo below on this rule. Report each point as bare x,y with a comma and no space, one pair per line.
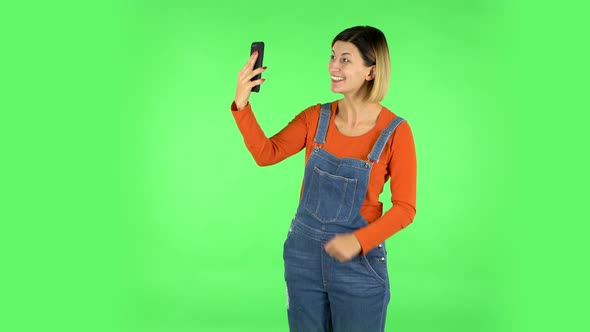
343,247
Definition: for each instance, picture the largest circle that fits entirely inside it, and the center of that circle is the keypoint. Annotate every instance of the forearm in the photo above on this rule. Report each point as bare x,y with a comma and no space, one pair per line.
266,151
403,170
395,219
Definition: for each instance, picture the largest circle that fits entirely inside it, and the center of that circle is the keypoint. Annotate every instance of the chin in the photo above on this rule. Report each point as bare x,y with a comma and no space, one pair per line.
344,93
336,90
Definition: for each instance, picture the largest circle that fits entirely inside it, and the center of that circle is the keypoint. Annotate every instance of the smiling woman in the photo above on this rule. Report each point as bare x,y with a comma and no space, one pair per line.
334,254
356,52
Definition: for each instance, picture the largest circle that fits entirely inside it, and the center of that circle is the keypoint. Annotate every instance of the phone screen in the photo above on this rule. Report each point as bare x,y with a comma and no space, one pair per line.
257,46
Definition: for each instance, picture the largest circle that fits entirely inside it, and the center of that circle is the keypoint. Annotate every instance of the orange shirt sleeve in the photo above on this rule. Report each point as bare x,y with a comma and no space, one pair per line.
402,169
268,151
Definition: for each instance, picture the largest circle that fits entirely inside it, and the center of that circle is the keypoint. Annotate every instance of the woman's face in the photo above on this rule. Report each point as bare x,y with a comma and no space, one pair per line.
347,69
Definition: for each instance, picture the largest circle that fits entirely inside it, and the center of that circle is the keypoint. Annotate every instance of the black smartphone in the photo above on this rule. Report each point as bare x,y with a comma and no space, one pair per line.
257,46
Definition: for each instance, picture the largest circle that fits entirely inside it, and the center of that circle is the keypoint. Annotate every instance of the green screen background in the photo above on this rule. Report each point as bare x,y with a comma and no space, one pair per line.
130,202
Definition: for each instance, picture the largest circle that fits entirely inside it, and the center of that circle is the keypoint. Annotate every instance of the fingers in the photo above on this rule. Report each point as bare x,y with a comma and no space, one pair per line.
257,82
258,71
250,64
330,250
252,59
248,75
342,247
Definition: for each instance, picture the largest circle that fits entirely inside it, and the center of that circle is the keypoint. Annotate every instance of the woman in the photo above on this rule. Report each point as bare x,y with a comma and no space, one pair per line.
335,258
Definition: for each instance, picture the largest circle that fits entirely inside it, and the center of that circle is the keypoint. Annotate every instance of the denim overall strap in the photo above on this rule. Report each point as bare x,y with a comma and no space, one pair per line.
385,134
320,135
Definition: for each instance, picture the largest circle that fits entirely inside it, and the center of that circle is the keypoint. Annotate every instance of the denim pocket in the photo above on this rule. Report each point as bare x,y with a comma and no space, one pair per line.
330,197
376,263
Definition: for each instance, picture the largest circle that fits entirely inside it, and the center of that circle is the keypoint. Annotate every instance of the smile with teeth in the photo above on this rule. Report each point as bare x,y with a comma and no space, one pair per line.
337,78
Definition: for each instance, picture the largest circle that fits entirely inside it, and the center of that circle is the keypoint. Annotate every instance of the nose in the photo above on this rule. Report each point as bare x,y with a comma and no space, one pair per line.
333,65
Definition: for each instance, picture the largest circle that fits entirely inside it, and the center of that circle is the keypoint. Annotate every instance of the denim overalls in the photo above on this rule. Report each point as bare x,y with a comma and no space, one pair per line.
322,293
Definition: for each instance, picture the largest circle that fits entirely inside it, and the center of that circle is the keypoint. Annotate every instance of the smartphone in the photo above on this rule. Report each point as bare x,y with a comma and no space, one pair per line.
257,46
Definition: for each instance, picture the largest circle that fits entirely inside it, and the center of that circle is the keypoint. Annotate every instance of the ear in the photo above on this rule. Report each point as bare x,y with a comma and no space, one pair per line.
371,75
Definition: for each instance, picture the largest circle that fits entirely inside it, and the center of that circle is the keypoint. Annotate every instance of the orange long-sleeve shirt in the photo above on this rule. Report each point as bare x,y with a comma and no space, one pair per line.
397,163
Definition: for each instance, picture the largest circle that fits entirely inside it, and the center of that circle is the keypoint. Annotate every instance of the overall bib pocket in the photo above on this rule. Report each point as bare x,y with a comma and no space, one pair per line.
330,197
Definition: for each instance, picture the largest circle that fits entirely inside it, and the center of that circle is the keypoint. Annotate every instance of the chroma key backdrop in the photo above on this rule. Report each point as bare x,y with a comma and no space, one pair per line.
136,206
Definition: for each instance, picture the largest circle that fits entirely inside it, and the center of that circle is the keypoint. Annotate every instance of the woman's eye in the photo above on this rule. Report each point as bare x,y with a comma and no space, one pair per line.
332,57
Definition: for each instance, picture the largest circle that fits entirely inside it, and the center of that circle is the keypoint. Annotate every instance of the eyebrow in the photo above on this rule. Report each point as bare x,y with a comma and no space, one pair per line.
343,53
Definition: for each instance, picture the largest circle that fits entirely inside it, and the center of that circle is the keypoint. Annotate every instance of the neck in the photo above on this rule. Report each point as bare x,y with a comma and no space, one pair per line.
354,110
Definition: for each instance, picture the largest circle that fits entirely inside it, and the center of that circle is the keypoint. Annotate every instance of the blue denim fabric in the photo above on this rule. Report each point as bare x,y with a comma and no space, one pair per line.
323,293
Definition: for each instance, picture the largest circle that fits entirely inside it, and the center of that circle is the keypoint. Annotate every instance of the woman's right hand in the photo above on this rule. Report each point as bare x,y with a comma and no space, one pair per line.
244,87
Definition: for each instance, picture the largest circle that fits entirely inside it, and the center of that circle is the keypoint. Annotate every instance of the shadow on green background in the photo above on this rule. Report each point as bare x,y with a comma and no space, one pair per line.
142,210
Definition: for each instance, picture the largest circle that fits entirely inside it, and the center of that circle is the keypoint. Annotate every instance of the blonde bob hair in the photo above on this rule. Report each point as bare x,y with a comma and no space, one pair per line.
373,47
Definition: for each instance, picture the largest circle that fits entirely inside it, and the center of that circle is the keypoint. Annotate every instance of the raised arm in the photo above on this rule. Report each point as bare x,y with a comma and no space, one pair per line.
266,151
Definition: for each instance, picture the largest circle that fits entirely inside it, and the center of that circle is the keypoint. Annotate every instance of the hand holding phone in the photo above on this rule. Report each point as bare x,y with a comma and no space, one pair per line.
257,46
249,78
